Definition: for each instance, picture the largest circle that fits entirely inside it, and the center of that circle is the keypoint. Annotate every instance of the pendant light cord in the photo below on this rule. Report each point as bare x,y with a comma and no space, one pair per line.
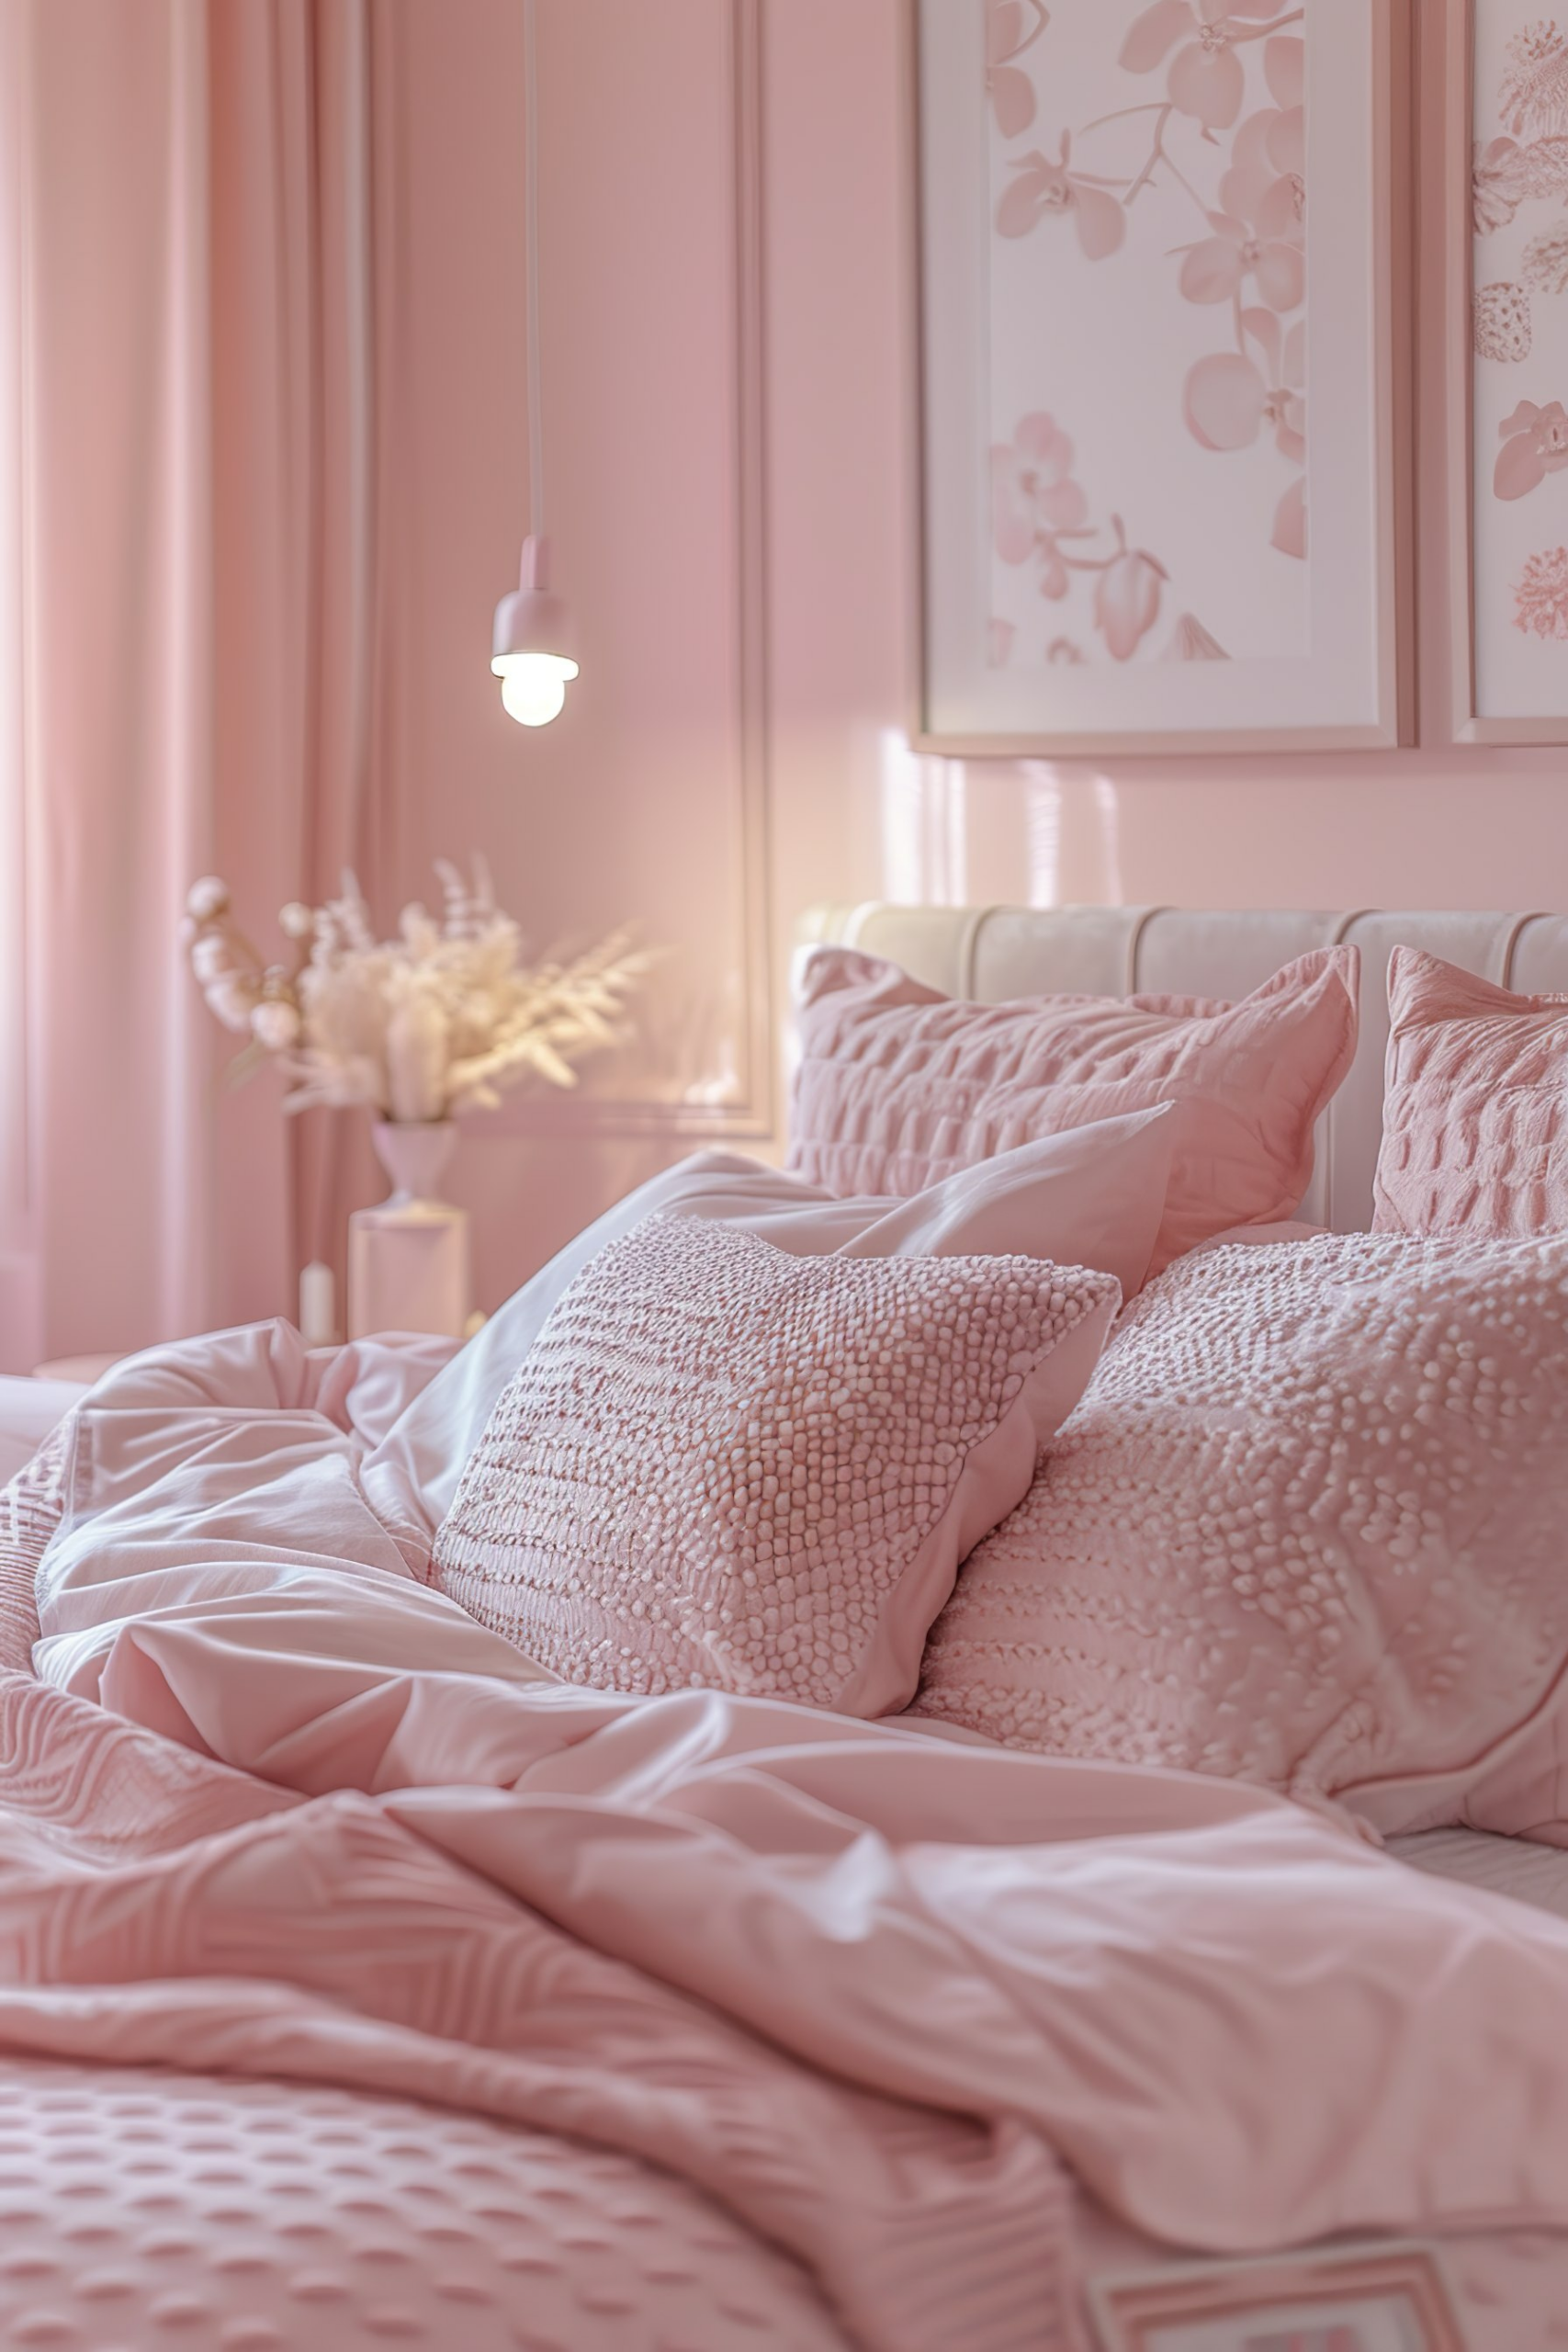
531,245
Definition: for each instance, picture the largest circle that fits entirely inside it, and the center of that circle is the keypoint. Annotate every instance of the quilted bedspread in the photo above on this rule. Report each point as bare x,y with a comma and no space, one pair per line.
271,1808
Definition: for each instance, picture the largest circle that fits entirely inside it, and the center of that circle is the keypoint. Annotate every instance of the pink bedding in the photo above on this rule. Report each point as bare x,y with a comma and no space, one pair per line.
28,1410
272,1808
1306,1529
898,1086
184,2212
725,1466
1474,1131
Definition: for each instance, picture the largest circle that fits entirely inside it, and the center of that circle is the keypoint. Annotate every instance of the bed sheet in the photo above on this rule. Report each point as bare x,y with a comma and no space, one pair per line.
275,1811
145,2211
1511,2286
28,1410
1531,1873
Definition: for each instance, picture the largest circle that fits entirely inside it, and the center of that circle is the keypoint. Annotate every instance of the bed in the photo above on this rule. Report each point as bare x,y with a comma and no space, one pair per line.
349,1995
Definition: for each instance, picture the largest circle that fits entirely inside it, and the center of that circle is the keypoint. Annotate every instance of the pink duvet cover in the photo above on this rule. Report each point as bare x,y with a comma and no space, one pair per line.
269,1806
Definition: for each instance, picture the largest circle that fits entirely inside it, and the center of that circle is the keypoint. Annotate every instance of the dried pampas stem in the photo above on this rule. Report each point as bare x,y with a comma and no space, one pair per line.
440,1019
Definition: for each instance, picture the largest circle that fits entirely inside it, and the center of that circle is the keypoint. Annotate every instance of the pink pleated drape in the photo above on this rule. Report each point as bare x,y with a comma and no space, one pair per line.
189,629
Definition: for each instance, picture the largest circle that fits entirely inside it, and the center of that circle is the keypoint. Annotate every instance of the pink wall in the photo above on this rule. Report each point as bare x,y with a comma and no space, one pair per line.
629,808
1439,827
630,805
645,799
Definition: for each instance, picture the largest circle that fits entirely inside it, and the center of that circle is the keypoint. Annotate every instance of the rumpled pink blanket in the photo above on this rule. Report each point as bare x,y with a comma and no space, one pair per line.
270,1804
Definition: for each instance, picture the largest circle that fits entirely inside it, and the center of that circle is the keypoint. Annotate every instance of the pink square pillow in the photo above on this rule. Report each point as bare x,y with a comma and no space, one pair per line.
1306,1528
898,1085
724,1466
1475,1105
1093,1196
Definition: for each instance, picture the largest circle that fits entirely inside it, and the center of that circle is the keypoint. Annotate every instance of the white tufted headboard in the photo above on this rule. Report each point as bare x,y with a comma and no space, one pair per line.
991,954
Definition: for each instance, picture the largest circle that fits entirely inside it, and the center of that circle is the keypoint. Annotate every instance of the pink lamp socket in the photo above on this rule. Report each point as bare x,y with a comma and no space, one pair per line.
531,620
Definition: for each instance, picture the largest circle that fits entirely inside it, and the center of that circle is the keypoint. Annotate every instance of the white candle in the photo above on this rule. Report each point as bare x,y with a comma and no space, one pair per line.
317,1304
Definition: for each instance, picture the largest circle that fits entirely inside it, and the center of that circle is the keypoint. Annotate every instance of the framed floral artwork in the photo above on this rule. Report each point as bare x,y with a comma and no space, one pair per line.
1507,251
1394,2298
1159,326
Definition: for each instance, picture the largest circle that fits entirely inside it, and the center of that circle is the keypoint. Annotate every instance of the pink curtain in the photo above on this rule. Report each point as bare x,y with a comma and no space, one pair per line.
188,625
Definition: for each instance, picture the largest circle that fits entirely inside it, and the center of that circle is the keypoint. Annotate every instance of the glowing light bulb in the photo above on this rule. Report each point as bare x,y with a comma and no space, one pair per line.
534,693
533,686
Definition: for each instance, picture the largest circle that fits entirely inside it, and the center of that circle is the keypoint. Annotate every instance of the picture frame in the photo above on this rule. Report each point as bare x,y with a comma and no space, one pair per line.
1506,655
1179,485
1393,2298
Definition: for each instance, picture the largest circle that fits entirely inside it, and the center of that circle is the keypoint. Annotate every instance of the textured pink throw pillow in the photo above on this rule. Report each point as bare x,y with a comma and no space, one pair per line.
1091,1197
1306,1528
724,1466
898,1085
1475,1105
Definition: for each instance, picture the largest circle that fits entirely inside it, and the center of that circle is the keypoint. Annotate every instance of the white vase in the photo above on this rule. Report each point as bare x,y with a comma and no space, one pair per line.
408,1257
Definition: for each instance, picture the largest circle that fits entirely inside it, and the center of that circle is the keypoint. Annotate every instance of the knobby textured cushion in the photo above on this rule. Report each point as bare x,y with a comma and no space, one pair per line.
898,1085
1475,1105
724,1466
1306,1528
1092,1197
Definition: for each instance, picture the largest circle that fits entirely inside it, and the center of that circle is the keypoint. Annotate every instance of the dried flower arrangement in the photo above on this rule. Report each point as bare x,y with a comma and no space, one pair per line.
437,1021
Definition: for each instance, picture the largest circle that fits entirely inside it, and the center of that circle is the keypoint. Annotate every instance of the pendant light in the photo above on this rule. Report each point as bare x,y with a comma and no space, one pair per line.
531,650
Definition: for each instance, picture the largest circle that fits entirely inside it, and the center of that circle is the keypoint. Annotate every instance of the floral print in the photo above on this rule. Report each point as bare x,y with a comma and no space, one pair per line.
1541,596
1522,274
1230,397
1206,79
1266,184
1011,27
1190,641
1504,328
1043,187
1499,183
1040,516
1034,500
1224,133
1535,443
1126,600
1503,175
1546,260
1219,269
1248,263
1290,532
1534,96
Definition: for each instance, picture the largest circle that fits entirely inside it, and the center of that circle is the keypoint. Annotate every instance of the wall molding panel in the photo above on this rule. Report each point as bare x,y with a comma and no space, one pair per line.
748,1107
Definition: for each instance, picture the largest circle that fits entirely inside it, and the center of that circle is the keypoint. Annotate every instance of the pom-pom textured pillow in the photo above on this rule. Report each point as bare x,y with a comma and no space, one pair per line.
1475,1105
1306,1528
1093,1196
898,1085
724,1466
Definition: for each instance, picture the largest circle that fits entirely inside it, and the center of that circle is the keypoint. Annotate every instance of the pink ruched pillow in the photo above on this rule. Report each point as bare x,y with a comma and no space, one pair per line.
724,1466
1475,1105
898,1085
1306,1528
